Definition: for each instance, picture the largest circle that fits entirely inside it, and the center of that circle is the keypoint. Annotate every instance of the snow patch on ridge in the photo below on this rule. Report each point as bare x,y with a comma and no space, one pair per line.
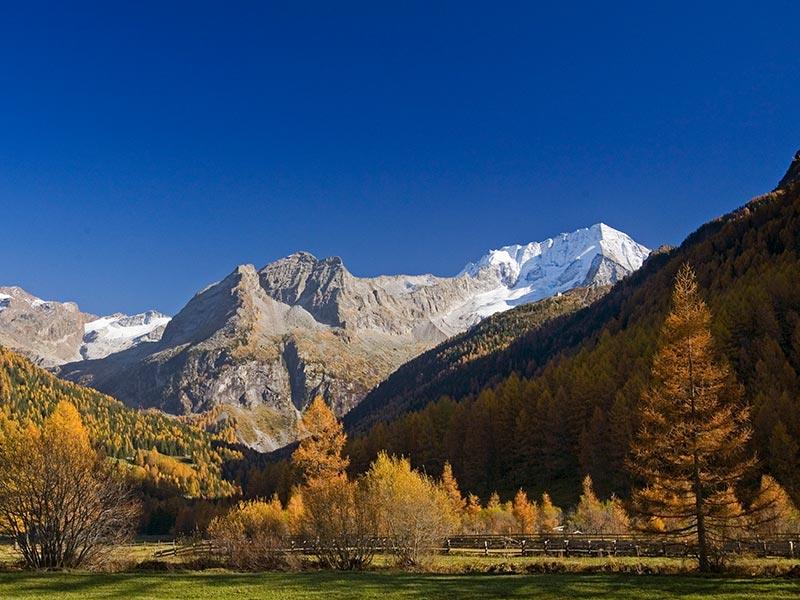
117,332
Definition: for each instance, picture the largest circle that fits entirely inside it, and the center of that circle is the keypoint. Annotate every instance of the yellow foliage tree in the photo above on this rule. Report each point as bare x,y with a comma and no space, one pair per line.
595,516
413,511
774,512
60,501
450,487
524,512
549,515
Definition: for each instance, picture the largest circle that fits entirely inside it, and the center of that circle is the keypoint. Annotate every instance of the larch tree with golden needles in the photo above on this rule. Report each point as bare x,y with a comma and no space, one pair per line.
691,447
458,504
320,454
336,512
524,513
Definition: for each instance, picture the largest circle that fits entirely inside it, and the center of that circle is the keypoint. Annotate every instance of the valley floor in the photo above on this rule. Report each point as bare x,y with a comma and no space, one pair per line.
385,585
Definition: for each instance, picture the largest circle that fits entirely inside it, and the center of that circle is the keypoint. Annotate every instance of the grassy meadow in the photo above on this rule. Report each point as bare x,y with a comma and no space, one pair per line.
454,576
385,585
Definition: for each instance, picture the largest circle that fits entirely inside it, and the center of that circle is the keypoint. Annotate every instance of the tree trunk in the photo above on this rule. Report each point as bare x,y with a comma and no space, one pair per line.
702,545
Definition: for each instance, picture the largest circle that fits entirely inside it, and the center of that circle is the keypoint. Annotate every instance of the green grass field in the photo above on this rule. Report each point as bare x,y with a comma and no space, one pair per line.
453,577
383,585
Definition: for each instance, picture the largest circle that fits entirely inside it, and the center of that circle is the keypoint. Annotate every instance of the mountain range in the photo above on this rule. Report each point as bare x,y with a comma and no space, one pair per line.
541,386
260,344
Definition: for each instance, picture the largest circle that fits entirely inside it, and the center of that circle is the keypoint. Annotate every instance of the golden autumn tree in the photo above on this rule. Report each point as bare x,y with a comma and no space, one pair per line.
690,450
337,512
320,454
458,504
548,515
60,501
524,512
774,513
412,510
590,514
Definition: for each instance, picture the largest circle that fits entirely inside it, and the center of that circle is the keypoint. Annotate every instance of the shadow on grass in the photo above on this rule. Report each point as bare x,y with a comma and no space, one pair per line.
385,586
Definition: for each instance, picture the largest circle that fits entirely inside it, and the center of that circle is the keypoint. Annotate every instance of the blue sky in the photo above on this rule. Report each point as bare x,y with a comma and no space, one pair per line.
148,148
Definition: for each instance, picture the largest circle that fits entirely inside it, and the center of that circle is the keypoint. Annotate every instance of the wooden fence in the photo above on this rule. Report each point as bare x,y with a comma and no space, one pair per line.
598,545
568,545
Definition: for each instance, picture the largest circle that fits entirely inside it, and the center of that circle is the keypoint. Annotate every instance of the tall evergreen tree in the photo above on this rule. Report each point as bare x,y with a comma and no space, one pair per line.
690,450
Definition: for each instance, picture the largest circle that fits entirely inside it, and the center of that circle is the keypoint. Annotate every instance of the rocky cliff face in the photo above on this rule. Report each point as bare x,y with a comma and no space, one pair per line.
263,343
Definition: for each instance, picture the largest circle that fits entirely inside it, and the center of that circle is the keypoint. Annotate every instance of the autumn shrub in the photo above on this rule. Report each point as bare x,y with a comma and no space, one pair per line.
340,521
413,511
252,535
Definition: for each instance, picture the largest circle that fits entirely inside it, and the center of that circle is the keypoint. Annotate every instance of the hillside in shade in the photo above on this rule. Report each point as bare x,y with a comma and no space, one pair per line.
561,401
452,365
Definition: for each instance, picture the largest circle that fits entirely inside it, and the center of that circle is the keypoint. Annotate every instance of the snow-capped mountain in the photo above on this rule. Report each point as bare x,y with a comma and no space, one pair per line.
596,255
52,333
263,342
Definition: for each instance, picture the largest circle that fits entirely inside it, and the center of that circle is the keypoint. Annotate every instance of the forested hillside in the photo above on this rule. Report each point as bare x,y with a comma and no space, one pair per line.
562,401
452,366
161,451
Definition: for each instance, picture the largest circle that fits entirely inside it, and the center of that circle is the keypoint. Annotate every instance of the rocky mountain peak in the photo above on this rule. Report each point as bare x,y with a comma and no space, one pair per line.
303,280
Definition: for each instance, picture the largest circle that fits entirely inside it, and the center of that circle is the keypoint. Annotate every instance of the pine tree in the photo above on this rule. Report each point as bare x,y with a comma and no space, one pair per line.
690,448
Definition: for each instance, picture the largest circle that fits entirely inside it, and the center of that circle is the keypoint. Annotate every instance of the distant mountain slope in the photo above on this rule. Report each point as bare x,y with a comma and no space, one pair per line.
51,333
575,409
161,450
260,344
449,367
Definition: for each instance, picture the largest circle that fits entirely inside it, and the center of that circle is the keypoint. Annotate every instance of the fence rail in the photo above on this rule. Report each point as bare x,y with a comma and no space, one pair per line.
568,545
